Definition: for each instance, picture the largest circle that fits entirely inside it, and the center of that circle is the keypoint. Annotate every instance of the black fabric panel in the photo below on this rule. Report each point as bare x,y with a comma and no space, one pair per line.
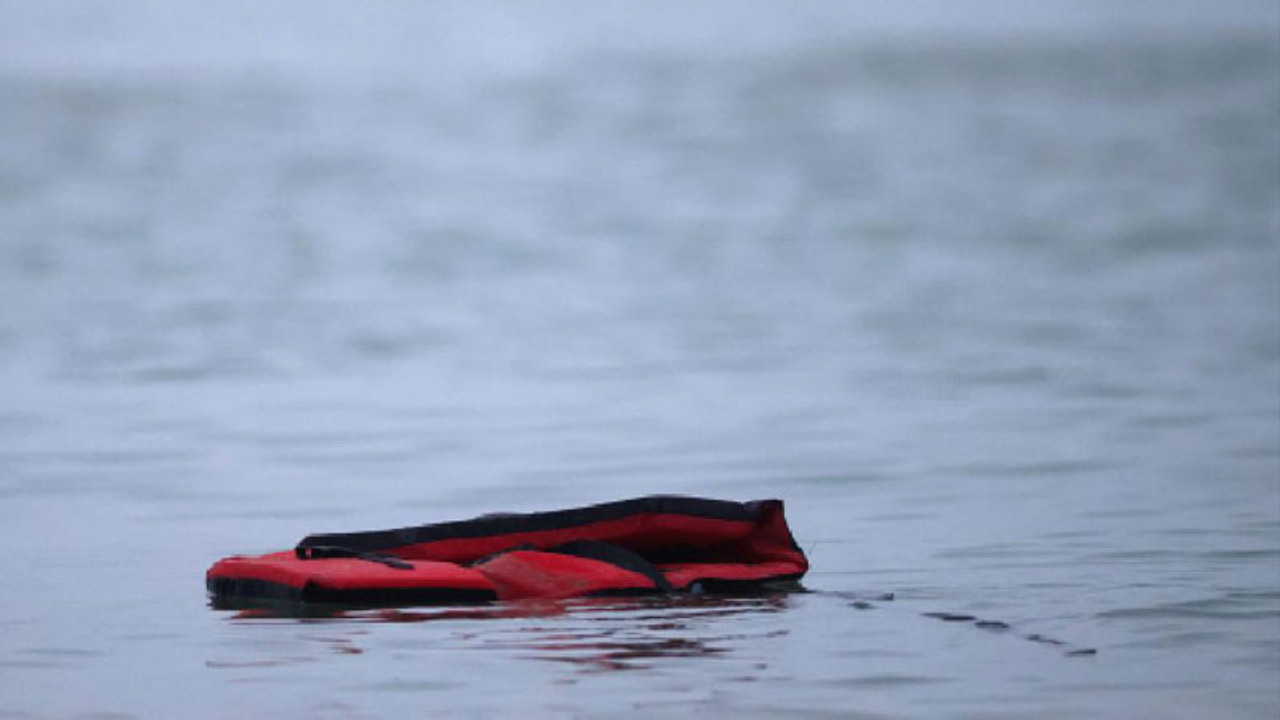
242,593
767,584
397,596
503,524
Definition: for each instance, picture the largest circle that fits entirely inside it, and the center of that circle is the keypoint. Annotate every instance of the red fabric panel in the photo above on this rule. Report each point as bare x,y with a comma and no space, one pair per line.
768,551
347,573
269,568
532,574
769,541
685,574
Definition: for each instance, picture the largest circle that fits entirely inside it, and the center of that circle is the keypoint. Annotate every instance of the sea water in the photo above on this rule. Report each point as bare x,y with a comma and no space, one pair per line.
989,294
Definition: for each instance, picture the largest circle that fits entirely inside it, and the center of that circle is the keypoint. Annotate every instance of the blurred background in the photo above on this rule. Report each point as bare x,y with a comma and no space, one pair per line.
988,291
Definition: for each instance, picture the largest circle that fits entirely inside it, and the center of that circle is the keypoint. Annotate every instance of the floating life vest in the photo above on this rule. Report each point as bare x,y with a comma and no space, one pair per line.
655,544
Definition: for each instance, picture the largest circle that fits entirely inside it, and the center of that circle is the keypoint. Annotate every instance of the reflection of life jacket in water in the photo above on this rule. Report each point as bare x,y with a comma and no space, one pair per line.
652,544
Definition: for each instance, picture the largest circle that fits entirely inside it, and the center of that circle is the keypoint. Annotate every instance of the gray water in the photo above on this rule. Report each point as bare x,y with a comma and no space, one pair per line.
988,293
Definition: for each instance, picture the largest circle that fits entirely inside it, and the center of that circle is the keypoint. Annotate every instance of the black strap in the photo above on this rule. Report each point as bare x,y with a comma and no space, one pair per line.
615,555
318,552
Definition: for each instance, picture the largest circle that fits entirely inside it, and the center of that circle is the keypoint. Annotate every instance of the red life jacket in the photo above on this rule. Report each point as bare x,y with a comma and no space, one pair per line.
651,544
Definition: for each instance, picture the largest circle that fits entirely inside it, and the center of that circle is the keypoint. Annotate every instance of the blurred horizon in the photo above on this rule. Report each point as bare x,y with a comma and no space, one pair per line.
333,41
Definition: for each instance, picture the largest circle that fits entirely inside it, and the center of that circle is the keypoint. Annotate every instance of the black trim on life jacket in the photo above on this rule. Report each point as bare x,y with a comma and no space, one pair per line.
316,552
248,593
510,523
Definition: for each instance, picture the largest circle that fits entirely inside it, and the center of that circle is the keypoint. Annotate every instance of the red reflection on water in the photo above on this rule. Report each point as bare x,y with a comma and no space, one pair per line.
593,634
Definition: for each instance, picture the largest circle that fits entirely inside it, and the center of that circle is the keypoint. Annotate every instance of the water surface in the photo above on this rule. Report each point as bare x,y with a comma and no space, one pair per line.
990,298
